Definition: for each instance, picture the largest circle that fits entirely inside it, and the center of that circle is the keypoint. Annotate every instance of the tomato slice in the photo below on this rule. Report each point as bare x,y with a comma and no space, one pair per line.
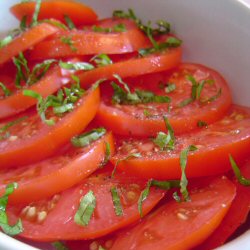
231,135
56,173
235,217
89,43
32,140
54,79
78,12
26,40
181,225
59,222
131,119
134,66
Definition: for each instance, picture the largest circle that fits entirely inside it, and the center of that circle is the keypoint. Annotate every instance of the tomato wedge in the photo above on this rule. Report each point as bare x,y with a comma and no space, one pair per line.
177,226
26,40
235,217
56,173
231,135
59,222
124,119
31,140
78,12
134,66
79,42
50,83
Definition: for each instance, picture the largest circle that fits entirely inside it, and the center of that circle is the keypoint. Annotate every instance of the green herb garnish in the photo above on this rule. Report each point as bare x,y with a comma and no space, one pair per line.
170,88
116,201
143,196
183,163
241,179
68,40
101,60
86,138
6,91
69,22
58,245
36,13
202,124
133,155
125,96
76,66
86,209
4,224
165,141
21,64
107,155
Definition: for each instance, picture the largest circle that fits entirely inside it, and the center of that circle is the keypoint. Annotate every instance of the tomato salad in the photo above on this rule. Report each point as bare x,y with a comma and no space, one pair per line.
108,140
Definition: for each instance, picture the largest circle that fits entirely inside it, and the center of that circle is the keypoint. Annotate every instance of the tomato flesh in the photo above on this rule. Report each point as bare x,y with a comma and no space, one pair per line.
56,173
59,222
26,40
181,225
32,140
231,135
131,119
57,9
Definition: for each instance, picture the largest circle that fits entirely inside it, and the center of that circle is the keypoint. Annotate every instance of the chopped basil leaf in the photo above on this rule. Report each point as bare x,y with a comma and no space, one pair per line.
201,124
42,105
146,112
39,71
4,134
58,245
133,155
6,40
122,96
165,185
23,23
171,42
107,154
21,64
4,224
61,102
68,40
76,66
183,164
176,197
86,209
69,22
55,23
36,13
143,196
12,123
241,179
170,88
185,102
116,201
97,83
116,28
6,91
120,27
213,98
165,141
101,60
196,90
101,248
86,138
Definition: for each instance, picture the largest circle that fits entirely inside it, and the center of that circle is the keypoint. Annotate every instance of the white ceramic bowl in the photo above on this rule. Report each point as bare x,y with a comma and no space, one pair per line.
215,33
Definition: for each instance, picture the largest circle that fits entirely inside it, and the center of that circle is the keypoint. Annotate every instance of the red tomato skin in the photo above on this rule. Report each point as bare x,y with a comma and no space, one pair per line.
78,12
177,226
30,150
56,173
89,43
26,40
121,122
212,156
59,223
235,217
